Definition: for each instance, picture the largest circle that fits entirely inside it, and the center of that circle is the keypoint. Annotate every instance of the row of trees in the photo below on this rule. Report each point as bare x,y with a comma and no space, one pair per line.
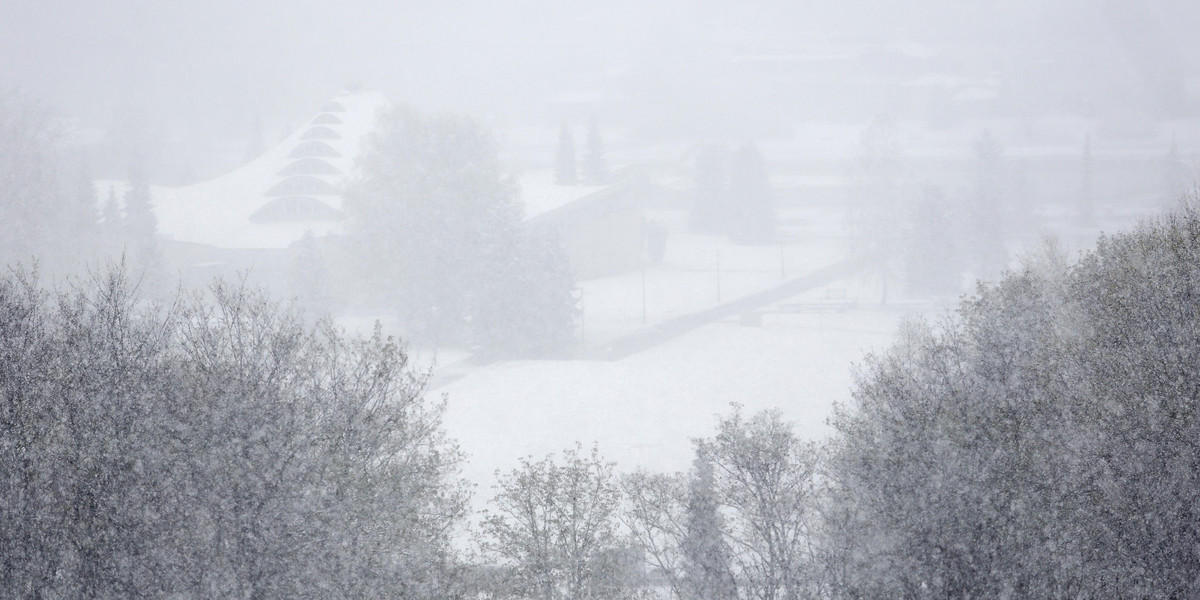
918,235
1040,443
926,236
568,171
49,210
732,194
212,447
738,525
217,446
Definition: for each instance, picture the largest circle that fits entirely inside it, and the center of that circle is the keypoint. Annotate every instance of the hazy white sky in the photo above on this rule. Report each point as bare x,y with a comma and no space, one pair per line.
210,65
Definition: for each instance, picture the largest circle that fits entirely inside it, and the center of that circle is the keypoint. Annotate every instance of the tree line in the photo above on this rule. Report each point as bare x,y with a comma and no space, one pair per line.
1039,442
49,210
212,447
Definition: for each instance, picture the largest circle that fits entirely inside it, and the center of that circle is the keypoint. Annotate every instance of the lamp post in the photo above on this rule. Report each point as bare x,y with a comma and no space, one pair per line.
643,294
718,276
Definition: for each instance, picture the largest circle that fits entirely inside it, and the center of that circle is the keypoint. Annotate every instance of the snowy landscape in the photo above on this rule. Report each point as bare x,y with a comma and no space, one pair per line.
677,300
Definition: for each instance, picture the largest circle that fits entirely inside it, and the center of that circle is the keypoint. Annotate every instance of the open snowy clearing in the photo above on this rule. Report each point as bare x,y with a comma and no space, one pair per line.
644,410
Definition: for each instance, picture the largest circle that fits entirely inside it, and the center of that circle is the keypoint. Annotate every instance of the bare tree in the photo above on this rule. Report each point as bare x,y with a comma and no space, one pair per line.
764,477
213,447
555,527
656,515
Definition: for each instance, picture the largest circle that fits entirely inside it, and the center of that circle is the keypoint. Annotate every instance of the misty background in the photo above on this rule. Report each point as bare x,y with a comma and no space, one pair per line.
943,139
196,80
619,300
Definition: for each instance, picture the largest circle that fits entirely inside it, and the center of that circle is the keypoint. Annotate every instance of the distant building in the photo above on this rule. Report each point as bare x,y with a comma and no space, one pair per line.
602,228
246,220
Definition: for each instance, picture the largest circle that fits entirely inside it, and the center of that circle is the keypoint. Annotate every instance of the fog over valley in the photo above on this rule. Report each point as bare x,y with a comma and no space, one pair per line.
671,300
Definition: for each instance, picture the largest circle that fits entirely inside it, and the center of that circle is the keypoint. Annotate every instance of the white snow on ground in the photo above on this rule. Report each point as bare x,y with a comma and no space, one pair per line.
700,271
643,410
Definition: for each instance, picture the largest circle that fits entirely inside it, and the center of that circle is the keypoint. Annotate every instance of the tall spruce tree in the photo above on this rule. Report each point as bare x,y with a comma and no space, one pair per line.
710,201
308,275
531,309
112,226
1177,177
34,202
987,218
752,209
141,224
877,205
83,228
141,227
1087,207
436,235
565,172
707,559
933,264
595,170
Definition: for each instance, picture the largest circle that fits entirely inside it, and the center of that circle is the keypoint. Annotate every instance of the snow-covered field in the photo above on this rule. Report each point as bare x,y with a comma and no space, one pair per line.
643,410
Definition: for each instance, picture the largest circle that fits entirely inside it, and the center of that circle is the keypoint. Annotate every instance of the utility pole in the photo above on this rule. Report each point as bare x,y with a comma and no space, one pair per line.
643,294
718,275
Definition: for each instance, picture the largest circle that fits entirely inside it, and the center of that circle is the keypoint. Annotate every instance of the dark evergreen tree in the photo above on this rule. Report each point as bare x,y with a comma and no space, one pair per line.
32,199
1087,207
595,170
707,559
141,224
436,233
308,276
710,201
531,309
141,230
751,207
877,209
112,225
565,172
933,264
1177,177
986,214
83,230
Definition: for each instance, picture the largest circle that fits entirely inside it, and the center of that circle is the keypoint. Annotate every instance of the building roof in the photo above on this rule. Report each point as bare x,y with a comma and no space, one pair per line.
540,194
273,200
